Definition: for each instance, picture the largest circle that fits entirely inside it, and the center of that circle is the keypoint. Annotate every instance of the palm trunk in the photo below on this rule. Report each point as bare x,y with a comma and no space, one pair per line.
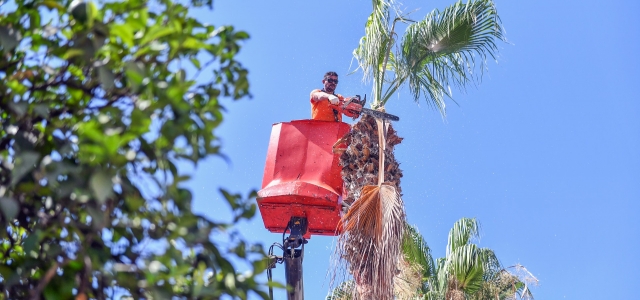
373,225
454,290
360,161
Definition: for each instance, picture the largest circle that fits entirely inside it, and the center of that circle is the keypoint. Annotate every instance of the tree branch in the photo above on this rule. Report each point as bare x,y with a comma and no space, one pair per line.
35,294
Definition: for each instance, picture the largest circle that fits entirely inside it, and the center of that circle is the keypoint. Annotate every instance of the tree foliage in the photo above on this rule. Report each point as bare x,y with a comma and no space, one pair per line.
98,105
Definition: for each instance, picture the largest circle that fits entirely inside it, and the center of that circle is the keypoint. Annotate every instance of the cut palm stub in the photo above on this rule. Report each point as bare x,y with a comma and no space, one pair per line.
372,228
360,159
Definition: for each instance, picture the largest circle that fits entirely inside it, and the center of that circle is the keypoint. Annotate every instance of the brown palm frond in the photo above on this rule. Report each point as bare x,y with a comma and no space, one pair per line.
339,146
371,239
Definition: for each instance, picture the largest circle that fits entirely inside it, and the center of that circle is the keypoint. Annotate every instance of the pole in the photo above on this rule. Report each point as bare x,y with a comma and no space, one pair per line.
293,273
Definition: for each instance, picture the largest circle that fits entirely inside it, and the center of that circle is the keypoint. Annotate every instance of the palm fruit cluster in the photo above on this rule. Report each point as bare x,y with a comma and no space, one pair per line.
360,161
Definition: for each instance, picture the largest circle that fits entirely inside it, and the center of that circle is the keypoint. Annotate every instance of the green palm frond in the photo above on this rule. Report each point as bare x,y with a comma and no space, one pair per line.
441,50
416,251
441,278
375,45
465,265
433,295
461,234
491,264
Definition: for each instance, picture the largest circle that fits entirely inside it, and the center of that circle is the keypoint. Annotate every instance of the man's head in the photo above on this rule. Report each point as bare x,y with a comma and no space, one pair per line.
330,81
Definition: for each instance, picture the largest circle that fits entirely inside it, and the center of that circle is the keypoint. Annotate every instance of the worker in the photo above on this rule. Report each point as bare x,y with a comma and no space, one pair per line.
326,105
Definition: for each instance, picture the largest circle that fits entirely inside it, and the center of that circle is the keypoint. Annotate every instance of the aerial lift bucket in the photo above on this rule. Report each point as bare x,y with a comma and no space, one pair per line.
302,177
301,191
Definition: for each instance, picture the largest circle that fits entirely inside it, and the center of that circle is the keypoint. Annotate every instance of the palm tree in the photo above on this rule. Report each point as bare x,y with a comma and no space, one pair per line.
445,48
466,272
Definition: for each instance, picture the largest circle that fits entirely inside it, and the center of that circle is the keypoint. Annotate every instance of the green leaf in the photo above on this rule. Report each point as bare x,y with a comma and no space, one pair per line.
17,87
73,52
155,33
75,94
135,74
106,77
9,38
75,71
25,162
101,185
231,198
75,265
97,217
34,19
191,43
53,5
124,32
5,271
462,232
250,212
241,35
61,291
195,62
20,108
9,208
41,110
32,242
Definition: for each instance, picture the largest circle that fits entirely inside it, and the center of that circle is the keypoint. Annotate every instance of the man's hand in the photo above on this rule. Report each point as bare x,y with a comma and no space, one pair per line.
334,100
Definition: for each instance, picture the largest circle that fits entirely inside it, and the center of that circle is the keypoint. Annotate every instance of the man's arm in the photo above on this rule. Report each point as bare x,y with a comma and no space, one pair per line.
317,95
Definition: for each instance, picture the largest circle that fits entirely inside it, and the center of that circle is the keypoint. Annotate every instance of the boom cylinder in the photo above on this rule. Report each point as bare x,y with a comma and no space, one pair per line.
293,273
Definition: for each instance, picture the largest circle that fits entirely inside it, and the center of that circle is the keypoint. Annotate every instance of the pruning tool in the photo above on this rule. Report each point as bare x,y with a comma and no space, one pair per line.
355,106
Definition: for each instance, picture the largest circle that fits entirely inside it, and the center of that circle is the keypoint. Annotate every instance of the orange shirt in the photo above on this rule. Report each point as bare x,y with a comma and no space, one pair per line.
323,110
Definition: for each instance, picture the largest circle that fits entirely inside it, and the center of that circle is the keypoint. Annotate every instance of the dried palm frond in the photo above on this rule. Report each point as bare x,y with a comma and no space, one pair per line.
371,240
523,274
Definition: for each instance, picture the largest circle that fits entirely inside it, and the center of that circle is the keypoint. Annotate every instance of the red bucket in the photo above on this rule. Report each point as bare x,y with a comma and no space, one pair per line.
302,176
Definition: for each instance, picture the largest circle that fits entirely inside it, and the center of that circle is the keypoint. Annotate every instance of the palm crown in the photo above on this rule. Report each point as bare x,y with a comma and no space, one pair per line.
442,50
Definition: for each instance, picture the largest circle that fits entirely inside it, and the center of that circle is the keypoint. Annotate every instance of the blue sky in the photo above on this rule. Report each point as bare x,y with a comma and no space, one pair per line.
545,151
